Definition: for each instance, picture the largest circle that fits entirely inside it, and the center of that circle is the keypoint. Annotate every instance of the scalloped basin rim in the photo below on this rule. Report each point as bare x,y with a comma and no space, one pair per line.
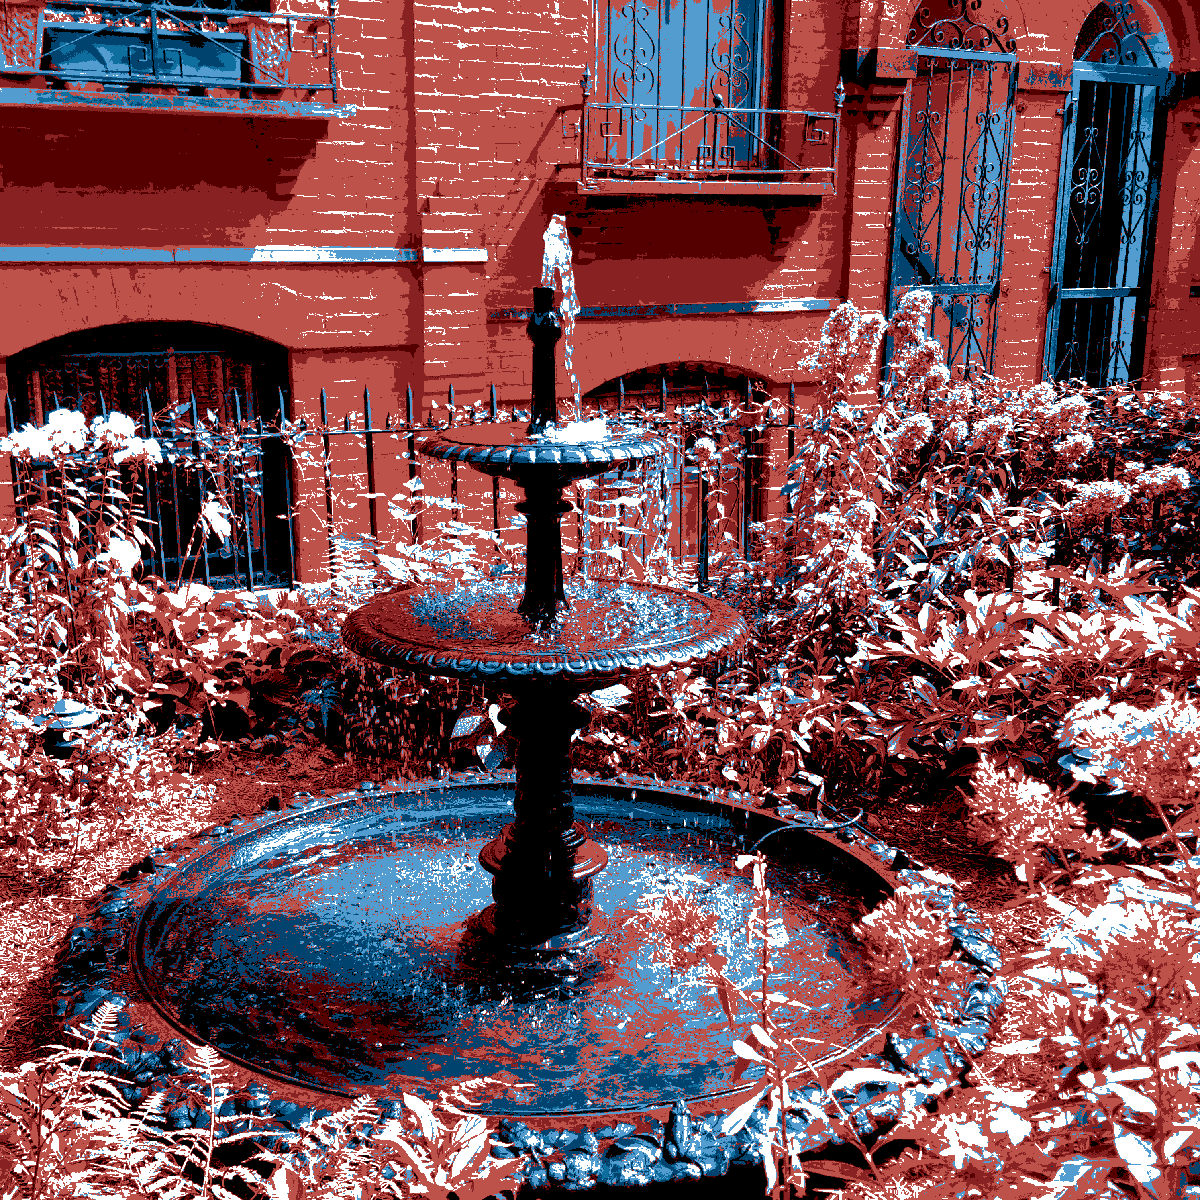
504,449
477,631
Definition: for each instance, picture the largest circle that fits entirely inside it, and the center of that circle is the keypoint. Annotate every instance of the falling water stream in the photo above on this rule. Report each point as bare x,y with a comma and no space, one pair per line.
556,258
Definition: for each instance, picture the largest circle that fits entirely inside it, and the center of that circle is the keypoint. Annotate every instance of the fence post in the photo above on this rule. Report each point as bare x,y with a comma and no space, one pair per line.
453,464
200,490
328,482
495,478
237,409
153,510
175,503
1014,498
370,466
12,471
287,494
747,497
412,461
1106,549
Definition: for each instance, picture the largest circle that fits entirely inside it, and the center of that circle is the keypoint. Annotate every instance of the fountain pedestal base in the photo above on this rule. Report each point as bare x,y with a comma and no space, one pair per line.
542,888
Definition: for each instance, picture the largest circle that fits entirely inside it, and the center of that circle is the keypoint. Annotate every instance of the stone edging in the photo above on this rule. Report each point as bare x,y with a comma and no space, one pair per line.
88,971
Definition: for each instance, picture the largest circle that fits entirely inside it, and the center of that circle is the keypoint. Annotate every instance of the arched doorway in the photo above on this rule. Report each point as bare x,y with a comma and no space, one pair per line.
165,374
702,515
955,150
1107,197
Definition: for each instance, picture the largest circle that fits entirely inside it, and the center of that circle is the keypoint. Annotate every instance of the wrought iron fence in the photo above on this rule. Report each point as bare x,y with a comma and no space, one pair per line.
664,142
237,46
260,551
679,478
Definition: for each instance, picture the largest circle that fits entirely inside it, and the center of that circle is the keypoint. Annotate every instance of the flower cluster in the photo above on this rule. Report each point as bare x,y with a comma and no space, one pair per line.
847,350
1147,752
1018,818
67,432
914,431
1096,500
1161,480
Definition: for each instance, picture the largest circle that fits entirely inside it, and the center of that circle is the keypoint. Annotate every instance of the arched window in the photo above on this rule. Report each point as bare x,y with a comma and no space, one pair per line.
713,512
952,176
1107,198
167,366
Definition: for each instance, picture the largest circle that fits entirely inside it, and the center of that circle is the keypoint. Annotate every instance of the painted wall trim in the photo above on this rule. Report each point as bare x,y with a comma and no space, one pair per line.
213,105
453,254
621,312
134,255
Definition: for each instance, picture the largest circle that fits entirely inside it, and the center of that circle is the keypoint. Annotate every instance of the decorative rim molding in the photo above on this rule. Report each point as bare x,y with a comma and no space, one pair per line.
721,632
94,967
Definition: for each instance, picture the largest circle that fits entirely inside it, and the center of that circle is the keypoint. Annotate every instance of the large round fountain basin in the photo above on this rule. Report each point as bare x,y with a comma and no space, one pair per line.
332,948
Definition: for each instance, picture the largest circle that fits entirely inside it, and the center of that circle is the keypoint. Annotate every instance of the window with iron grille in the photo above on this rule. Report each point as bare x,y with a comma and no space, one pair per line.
164,376
1114,126
689,91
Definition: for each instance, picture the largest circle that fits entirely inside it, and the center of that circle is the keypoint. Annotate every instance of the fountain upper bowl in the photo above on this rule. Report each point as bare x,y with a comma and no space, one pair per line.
505,449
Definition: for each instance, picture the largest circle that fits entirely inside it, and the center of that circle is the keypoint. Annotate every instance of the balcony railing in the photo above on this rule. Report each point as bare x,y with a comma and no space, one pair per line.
709,150
236,51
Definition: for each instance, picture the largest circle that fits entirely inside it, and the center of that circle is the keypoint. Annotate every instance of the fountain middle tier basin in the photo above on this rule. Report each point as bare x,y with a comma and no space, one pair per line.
476,631
332,948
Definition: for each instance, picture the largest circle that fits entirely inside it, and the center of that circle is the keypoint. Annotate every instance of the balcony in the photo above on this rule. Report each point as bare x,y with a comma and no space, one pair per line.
159,56
718,150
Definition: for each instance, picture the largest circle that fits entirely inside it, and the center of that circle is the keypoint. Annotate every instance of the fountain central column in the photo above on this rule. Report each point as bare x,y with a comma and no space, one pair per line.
543,505
543,862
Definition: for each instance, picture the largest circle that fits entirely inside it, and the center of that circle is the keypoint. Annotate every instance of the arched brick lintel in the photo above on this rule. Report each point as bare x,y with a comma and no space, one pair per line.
769,347
303,306
1050,38
1063,20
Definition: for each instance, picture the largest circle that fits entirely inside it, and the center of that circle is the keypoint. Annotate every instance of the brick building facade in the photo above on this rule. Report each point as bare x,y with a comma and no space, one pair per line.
361,203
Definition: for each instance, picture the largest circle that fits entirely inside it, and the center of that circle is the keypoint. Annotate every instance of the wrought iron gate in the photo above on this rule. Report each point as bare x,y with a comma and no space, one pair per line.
951,196
1107,203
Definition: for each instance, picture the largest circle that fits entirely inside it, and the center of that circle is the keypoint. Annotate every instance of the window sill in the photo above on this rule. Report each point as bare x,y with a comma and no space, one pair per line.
703,187
25,97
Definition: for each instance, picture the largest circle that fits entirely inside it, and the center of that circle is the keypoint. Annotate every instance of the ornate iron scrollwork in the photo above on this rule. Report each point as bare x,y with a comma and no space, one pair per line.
1113,35
960,28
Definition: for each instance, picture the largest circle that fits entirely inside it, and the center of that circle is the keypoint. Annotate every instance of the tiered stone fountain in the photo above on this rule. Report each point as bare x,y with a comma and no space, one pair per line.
348,946
544,651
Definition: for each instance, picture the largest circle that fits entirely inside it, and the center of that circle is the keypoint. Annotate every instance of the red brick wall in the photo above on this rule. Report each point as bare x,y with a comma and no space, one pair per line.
1029,234
464,139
